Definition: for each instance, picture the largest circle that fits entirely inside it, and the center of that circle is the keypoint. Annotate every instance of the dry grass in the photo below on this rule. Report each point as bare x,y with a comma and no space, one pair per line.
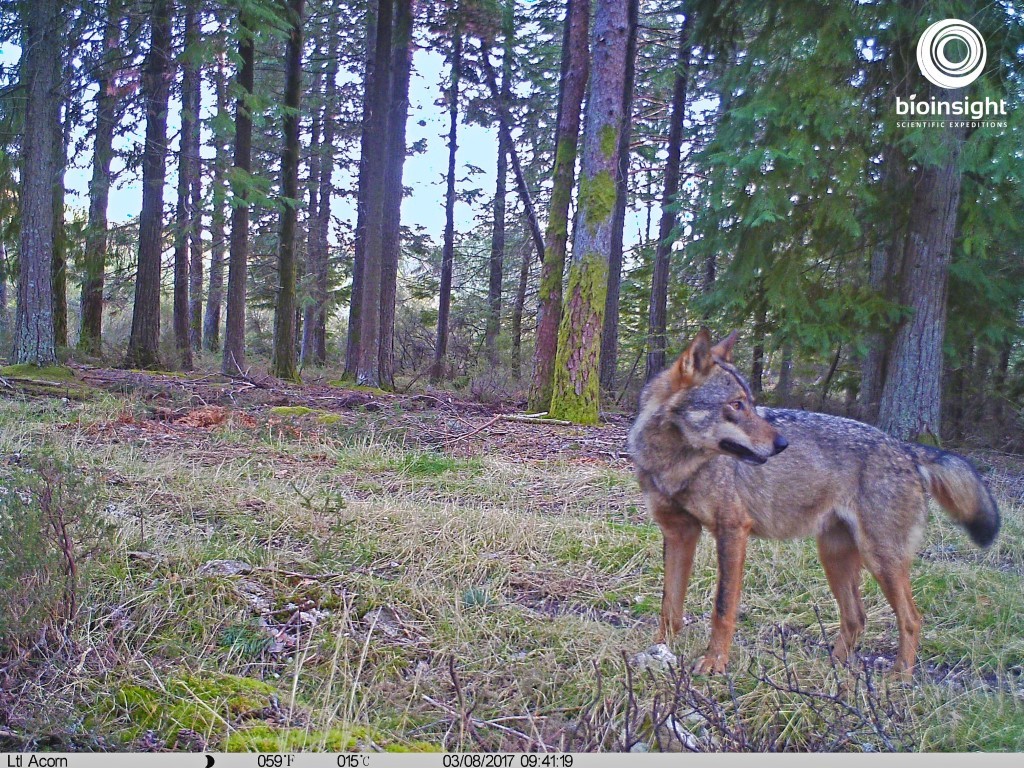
399,597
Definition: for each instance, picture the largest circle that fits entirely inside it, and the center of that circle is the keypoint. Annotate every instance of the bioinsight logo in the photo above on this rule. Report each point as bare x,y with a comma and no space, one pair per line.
951,54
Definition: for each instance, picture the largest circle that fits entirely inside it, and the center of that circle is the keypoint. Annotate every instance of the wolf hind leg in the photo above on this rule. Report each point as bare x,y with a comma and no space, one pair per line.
843,566
894,579
681,532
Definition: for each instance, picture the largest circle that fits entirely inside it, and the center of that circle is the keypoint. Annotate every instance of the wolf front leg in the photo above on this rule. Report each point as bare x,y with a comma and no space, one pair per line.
681,532
731,538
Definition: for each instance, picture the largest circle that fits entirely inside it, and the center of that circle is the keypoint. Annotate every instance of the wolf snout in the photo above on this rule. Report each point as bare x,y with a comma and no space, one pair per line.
780,444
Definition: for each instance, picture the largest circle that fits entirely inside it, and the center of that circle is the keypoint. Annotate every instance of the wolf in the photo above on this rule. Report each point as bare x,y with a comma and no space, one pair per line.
707,457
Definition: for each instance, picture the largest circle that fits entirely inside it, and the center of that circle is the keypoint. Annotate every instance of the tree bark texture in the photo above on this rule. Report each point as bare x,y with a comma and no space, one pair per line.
188,172
144,343
366,162
574,82
368,369
610,333
910,408
576,391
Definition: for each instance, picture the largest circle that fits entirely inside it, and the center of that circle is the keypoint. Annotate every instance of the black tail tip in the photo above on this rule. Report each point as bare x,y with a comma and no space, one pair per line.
983,529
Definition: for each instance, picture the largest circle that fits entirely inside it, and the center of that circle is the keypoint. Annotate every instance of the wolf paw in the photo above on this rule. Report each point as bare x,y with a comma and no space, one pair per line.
709,664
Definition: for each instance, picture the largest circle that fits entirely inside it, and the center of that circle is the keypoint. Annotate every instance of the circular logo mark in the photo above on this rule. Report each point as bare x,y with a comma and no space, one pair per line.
937,67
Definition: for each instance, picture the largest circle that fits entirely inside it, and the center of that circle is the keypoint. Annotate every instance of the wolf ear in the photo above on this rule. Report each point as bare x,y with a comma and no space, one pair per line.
695,362
723,349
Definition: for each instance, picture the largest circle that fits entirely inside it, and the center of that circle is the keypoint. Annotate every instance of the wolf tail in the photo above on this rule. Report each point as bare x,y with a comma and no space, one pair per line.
959,489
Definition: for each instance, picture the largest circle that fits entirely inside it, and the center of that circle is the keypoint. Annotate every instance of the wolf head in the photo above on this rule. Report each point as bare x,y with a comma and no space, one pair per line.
711,404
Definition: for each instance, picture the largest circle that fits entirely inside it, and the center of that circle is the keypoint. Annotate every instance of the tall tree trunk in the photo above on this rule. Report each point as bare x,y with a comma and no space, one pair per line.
391,242
575,67
188,171
784,387
323,227
657,317
366,161
448,251
368,369
5,320
234,337
91,330
505,135
282,363
757,356
910,408
576,391
192,86
517,313
144,343
307,355
496,264
610,333
59,265
218,219
883,272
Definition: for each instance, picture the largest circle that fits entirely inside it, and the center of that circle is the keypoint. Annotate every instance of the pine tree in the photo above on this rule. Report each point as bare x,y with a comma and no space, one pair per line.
40,74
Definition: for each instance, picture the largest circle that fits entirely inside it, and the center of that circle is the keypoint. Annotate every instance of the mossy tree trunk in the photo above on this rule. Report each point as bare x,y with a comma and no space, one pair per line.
144,343
576,390
282,363
575,68
610,334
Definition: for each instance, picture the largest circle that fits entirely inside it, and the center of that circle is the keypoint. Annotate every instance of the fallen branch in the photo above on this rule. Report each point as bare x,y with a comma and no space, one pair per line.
536,420
465,435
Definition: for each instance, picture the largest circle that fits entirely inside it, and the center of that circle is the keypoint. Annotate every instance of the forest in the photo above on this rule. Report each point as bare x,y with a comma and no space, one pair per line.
323,323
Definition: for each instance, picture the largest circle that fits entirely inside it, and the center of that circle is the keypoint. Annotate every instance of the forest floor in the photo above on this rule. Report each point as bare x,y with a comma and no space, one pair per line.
315,567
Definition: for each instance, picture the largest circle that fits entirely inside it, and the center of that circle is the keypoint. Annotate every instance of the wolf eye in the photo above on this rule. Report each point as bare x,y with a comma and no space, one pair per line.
739,405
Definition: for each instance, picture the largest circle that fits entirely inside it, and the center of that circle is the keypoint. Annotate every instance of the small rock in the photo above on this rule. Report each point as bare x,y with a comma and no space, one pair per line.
149,558
640,747
656,657
224,568
384,620
678,731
